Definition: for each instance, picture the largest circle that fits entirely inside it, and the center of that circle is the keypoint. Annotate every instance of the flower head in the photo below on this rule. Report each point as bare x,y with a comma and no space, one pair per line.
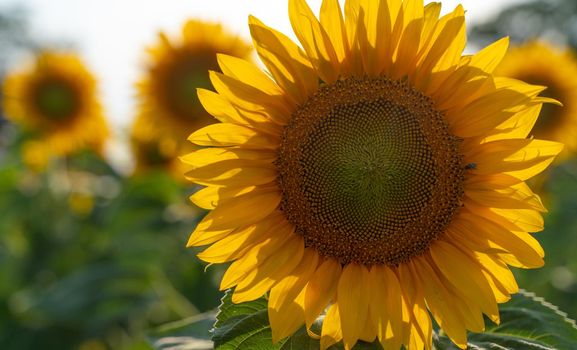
374,171
55,99
169,108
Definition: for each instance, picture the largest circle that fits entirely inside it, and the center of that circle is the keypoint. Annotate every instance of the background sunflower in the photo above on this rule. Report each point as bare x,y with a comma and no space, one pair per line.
55,99
168,104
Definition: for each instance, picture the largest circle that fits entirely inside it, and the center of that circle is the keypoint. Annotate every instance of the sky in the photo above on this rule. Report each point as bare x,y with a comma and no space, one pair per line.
111,35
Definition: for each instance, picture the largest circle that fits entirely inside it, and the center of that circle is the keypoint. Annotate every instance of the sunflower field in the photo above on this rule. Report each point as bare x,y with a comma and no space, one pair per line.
384,174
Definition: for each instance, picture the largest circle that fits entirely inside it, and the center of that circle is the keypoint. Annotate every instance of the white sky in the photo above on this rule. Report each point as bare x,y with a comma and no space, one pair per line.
111,34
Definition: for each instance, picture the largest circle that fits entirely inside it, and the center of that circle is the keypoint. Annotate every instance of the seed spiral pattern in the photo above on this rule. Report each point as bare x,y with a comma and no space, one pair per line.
369,171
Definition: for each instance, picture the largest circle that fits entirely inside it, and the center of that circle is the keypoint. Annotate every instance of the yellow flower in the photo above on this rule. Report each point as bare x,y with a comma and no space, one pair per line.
168,102
540,63
378,173
56,100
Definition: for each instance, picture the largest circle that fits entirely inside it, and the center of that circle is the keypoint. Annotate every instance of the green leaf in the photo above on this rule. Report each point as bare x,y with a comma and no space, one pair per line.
189,334
246,326
527,323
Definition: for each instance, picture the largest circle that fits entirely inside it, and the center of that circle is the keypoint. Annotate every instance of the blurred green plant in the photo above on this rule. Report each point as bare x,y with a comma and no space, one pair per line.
89,259
551,20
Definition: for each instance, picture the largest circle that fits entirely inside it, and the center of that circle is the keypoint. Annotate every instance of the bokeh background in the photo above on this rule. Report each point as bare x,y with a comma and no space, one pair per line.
92,254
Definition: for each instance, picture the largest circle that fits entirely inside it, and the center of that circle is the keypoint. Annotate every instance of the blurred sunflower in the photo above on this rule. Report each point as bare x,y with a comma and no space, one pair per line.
378,173
540,63
168,104
55,99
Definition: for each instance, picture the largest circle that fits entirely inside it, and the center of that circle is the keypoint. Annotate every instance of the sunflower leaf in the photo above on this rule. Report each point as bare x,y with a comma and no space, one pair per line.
189,334
527,323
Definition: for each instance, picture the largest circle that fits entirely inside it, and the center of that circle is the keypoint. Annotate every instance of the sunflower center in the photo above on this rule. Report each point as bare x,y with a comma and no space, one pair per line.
369,171
56,99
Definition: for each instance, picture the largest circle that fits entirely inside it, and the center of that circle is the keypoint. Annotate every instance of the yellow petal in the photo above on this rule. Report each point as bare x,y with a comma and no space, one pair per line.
464,233
353,302
200,236
234,173
285,61
314,40
502,277
332,21
512,219
406,53
521,158
283,297
219,107
486,113
464,274
385,306
246,264
270,270
519,244
287,318
518,126
224,134
207,156
469,311
441,302
321,289
452,90
376,43
249,98
493,181
236,243
445,47
430,18
420,330
258,118
489,58
209,197
518,196
249,73
243,210
332,330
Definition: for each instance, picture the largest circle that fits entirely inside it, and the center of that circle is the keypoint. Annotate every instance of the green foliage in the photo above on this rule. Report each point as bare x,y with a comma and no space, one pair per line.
551,19
191,333
90,259
527,322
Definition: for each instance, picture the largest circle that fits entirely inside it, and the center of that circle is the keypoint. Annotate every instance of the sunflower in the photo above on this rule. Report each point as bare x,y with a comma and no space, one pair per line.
540,63
175,69
374,173
55,99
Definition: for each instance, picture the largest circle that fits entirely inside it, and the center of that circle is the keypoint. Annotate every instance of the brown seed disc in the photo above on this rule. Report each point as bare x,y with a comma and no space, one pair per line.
178,79
56,98
369,171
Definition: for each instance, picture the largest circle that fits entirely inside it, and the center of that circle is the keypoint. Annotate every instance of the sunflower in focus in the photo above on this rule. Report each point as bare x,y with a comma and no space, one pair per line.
55,99
540,63
373,172
168,103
